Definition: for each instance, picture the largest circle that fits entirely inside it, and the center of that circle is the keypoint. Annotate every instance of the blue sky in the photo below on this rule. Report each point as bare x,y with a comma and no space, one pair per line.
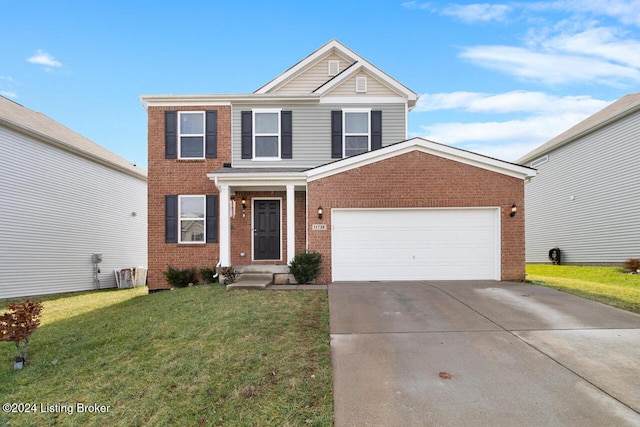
498,78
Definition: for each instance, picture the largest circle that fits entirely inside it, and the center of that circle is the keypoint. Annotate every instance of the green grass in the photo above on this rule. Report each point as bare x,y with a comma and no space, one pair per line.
608,285
194,356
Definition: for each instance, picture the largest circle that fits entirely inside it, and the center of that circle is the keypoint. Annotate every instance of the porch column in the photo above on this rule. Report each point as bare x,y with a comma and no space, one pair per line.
225,227
291,222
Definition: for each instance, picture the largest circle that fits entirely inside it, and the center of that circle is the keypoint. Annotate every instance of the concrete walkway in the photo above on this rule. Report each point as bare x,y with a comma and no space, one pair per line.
480,354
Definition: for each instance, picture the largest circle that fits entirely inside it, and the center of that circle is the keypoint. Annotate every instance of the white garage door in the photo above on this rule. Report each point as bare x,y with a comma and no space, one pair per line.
415,244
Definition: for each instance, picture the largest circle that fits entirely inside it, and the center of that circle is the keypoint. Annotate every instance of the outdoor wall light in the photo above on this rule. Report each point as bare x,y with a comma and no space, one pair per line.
320,212
514,209
244,205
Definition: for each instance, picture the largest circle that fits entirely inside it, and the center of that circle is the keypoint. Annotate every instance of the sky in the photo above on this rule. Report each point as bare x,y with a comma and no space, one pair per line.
497,78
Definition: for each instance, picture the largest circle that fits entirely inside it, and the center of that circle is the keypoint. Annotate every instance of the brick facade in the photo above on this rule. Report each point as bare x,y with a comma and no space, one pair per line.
418,179
171,176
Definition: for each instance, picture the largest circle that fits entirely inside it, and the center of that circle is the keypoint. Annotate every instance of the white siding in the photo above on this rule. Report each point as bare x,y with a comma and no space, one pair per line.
312,133
374,87
312,78
600,173
56,210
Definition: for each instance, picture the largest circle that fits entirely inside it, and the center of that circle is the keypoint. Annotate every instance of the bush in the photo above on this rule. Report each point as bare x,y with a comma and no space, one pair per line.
305,267
206,274
633,265
18,325
229,273
180,278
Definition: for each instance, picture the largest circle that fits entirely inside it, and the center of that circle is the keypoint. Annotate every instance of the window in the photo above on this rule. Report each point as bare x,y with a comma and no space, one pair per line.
192,219
191,135
266,134
356,132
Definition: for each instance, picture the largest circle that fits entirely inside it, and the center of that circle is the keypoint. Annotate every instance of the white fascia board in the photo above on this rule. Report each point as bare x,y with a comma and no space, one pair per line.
257,179
222,100
425,146
363,100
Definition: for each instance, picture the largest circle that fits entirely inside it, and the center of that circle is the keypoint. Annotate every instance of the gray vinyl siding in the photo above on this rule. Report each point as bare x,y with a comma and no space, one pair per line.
56,210
312,132
601,224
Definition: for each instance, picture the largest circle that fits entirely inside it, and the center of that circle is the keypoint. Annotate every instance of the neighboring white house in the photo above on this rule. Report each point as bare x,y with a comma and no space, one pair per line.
585,199
63,199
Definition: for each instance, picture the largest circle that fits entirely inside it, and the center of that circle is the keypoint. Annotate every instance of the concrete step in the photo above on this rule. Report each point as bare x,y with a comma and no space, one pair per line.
251,281
261,269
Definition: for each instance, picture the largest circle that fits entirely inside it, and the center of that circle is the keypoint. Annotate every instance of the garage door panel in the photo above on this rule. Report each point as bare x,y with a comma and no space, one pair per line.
415,244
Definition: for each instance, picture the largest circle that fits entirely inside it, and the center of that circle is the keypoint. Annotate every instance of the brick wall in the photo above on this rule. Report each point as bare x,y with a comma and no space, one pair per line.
171,176
418,179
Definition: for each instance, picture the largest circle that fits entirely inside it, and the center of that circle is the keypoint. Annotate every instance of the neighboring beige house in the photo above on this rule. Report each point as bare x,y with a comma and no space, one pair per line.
318,160
585,199
63,199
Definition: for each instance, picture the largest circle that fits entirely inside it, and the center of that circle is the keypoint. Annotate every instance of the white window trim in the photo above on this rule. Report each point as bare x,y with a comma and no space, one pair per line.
345,111
255,134
336,64
180,134
204,220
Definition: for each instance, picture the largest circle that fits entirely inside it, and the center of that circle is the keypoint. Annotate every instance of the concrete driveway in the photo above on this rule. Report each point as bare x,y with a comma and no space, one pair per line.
517,355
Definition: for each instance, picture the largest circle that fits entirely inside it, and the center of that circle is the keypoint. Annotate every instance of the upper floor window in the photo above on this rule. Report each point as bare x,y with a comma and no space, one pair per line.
266,134
356,132
191,134
192,219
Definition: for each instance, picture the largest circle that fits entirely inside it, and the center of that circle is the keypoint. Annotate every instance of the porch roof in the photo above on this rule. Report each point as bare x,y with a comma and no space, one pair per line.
260,178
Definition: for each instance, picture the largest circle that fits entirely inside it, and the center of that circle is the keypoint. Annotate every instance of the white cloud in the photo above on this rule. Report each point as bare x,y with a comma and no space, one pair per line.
8,94
508,102
418,5
626,11
43,58
483,12
541,117
549,67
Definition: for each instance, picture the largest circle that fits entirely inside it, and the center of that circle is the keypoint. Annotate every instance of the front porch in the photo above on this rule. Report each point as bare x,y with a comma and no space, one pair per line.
262,215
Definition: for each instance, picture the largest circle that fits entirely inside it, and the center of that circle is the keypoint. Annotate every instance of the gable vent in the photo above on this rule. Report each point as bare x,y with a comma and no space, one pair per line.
361,84
539,161
334,67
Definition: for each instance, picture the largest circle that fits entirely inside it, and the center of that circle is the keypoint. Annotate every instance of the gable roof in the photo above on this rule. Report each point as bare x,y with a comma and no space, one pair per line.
425,146
624,106
359,63
44,128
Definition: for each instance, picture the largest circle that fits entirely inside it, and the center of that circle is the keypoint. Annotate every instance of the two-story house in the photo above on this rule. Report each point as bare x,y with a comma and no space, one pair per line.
318,160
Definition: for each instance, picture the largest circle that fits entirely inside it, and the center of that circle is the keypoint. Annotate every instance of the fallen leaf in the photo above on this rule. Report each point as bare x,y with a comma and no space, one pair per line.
445,375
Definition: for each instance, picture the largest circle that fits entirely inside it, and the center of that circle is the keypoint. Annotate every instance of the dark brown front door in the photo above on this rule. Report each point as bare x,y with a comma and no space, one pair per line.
266,229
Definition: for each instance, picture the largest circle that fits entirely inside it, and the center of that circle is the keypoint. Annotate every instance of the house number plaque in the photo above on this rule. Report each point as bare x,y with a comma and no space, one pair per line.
321,227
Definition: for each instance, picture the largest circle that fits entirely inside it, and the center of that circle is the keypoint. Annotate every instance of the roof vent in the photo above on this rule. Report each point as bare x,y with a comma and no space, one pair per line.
334,67
361,84
539,161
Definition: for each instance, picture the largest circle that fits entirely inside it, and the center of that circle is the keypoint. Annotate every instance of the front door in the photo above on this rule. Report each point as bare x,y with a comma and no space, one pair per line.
266,229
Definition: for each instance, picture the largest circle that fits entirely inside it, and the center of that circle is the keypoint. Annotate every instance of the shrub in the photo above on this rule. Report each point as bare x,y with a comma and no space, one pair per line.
180,278
206,274
305,266
632,264
18,325
229,273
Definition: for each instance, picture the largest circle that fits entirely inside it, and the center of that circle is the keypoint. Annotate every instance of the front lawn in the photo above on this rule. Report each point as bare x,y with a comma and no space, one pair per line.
604,284
193,356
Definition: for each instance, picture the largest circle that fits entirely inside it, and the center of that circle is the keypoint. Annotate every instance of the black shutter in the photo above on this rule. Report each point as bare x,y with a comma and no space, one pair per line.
211,135
336,134
171,134
246,131
212,219
286,135
171,219
376,130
